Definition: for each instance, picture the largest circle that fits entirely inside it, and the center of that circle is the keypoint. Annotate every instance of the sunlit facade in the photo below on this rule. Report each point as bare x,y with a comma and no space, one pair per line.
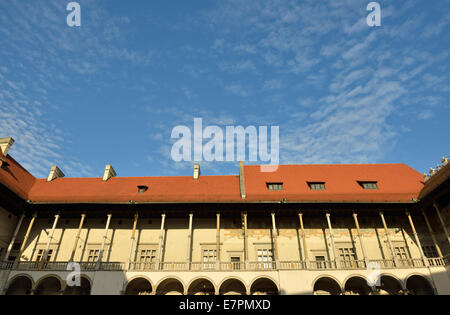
301,229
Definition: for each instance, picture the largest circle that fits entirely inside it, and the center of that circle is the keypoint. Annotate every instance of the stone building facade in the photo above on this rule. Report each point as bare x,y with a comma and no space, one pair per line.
299,229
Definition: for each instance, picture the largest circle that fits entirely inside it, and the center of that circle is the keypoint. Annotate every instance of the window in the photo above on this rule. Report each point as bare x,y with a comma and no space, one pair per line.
235,263
16,246
316,185
368,185
93,255
320,262
274,186
209,258
1,252
142,189
265,258
147,255
430,251
401,255
348,256
41,253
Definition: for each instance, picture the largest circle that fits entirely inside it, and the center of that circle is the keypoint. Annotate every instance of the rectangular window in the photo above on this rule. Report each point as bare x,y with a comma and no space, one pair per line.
316,185
265,258
147,255
402,256
430,251
320,262
235,263
368,185
274,186
348,256
93,255
209,258
41,253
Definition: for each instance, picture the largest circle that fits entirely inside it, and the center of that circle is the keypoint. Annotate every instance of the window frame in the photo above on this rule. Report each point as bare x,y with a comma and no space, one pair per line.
317,186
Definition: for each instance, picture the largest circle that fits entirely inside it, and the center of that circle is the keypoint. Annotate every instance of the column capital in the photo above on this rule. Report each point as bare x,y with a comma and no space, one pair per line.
354,213
407,213
381,212
327,214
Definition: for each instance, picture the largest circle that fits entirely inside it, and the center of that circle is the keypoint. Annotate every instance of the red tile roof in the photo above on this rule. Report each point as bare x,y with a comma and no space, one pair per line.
15,177
396,183
124,189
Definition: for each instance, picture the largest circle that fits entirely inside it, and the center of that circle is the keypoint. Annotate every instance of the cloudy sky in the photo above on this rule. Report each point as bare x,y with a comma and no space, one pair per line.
112,90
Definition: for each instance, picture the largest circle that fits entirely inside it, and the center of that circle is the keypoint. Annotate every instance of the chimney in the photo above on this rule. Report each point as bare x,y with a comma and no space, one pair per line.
55,172
5,145
241,179
196,171
109,172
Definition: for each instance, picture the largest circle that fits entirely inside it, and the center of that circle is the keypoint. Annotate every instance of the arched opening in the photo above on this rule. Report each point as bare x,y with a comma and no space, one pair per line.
232,287
390,286
20,286
139,286
417,285
326,286
357,286
83,289
263,286
201,287
48,286
170,287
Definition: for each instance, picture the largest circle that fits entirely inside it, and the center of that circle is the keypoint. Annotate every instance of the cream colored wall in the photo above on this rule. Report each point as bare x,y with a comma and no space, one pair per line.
204,234
289,282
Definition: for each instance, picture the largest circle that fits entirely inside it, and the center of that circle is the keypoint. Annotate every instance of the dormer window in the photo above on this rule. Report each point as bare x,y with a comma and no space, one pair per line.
274,186
316,185
142,189
368,185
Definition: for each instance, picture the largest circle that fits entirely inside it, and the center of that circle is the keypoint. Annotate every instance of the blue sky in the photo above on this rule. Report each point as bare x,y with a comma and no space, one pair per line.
110,91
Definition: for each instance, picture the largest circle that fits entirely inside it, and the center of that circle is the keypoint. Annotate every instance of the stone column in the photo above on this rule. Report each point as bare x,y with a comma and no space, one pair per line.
413,228
27,234
189,245
388,238
13,239
438,249
244,225
363,249
102,249
274,240
303,236
47,247
132,239
442,222
336,259
77,238
160,241
218,240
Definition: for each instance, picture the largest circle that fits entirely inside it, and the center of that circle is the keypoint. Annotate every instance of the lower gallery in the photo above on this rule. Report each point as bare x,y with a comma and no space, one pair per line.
301,229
